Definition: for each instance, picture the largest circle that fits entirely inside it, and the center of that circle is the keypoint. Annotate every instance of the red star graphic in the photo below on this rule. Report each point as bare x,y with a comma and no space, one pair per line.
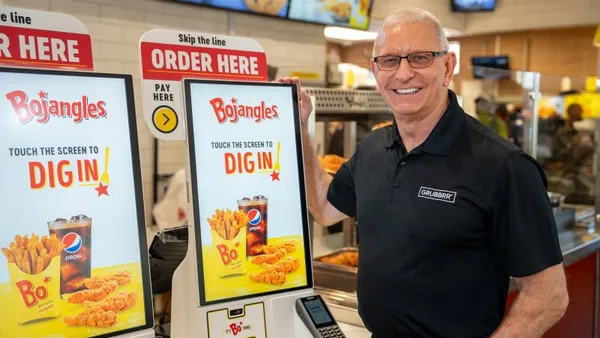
42,94
102,189
237,244
274,176
47,279
234,101
180,214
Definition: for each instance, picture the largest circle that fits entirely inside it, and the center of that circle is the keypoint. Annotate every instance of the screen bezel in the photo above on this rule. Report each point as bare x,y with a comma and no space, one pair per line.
189,123
457,9
318,297
287,14
137,181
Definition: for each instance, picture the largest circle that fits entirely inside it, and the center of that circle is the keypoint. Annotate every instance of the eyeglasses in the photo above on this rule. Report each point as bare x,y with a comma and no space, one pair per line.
415,60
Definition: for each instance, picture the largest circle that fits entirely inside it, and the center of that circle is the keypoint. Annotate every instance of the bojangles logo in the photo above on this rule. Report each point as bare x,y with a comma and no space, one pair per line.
234,111
41,109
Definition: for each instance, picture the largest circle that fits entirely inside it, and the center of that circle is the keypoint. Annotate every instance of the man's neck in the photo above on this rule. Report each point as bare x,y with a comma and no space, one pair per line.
415,129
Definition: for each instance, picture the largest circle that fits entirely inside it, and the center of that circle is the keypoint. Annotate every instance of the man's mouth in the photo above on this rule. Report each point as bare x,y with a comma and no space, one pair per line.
407,91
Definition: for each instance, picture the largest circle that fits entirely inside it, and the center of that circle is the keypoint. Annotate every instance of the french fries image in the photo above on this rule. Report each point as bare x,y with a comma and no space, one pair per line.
32,255
227,223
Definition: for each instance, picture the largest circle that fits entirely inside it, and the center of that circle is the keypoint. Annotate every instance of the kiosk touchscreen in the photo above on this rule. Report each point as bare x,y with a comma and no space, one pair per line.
246,178
74,260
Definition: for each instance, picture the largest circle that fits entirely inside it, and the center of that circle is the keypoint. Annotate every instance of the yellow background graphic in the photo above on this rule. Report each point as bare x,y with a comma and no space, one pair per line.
236,264
13,311
217,288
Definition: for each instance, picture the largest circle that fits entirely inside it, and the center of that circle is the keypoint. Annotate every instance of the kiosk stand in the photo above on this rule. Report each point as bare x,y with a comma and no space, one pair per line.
248,268
73,239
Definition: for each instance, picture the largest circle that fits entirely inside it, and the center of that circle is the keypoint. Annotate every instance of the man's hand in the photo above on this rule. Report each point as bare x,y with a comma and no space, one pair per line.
541,303
306,106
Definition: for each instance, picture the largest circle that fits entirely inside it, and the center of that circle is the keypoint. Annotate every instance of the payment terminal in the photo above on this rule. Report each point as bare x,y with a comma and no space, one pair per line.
317,318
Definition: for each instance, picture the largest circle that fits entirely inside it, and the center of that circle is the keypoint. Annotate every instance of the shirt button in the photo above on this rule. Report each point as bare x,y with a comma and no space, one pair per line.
396,184
402,163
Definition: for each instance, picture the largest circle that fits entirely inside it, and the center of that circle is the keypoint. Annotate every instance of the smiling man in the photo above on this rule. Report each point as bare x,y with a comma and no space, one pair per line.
447,210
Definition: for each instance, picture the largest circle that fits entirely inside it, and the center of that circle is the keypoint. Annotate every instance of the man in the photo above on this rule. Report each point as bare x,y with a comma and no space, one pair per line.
447,210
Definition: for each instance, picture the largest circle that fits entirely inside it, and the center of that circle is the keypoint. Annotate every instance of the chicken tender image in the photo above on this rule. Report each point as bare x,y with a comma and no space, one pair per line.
287,265
93,295
287,246
269,276
121,302
94,317
121,277
269,258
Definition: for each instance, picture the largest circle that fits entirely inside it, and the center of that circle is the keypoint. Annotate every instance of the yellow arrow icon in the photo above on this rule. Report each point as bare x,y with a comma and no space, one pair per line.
165,119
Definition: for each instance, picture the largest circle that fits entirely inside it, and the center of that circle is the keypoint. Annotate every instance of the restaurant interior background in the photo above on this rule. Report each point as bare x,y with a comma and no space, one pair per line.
550,46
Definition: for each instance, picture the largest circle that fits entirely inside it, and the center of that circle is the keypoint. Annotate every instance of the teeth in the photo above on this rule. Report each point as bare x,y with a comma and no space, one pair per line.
407,91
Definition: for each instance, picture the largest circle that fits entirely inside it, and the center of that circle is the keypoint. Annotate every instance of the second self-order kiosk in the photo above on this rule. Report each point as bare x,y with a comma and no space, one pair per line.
248,271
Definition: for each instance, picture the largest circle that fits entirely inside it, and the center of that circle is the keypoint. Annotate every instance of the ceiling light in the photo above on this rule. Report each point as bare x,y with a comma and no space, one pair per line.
347,34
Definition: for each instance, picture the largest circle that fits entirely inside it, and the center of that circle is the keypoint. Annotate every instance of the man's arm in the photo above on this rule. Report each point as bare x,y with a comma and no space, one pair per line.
527,244
317,180
542,301
317,185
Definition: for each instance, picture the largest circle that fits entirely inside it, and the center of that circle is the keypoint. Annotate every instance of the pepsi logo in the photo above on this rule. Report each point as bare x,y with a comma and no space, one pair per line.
254,217
72,242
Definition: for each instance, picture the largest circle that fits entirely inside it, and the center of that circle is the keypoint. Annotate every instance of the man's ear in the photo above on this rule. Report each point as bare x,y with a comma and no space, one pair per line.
450,65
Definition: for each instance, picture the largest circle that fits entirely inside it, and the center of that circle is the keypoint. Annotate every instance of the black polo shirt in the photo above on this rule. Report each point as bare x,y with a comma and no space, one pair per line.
443,227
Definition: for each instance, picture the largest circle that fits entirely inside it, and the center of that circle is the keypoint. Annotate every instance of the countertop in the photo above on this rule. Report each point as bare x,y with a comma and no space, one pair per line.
353,331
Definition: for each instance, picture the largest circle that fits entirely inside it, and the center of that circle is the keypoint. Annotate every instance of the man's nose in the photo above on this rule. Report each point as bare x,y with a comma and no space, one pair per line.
404,72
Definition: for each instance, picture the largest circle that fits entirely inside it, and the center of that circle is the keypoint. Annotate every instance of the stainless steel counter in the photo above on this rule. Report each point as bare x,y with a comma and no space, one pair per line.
577,241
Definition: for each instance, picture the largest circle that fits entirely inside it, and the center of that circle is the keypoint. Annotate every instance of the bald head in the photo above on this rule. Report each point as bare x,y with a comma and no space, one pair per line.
410,15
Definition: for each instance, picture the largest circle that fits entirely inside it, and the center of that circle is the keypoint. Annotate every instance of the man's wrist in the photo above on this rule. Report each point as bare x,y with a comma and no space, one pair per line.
304,129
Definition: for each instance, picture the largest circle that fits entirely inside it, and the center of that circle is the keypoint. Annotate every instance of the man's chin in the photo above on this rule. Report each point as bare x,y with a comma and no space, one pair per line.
405,110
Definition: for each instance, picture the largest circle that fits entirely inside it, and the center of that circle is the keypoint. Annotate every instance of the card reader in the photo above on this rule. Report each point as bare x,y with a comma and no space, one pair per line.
317,318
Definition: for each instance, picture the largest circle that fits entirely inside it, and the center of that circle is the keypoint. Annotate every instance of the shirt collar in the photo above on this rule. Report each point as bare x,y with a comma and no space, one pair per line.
444,134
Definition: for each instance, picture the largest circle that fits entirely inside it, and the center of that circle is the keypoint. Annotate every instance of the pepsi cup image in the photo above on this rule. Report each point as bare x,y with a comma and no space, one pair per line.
75,259
256,230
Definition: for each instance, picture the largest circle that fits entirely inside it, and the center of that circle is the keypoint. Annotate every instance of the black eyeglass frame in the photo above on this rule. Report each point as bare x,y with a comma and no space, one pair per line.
433,53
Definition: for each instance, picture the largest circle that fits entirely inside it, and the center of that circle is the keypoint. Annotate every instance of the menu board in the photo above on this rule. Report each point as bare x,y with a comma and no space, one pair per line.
247,185
348,13
74,259
473,5
268,7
